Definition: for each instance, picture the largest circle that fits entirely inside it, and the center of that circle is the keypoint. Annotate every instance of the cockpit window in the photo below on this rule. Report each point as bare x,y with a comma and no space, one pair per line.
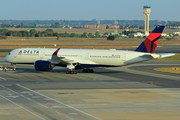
9,53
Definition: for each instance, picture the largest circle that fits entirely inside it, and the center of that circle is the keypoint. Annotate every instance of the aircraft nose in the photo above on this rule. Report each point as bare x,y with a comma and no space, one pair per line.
7,58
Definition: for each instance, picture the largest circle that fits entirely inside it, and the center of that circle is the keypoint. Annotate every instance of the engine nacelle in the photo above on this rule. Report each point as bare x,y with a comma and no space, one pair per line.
41,65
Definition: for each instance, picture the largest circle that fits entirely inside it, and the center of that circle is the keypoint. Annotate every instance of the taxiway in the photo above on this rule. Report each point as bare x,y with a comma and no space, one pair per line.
124,93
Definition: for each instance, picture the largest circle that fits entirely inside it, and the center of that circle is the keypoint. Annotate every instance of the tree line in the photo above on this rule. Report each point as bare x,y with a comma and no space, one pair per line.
174,24
47,33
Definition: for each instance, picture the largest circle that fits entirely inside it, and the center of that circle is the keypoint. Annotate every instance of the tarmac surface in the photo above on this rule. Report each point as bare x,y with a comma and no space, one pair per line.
134,92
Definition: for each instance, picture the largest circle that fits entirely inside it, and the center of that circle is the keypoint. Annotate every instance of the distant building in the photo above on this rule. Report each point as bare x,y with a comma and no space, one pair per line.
176,33
123,35
112,26
100,26
173,26
103,26
105,34
138,34
113,33
86,26
164,35
40,25
92,26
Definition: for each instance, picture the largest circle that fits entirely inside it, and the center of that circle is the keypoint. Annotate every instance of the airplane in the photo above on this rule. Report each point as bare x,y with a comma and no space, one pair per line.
45,59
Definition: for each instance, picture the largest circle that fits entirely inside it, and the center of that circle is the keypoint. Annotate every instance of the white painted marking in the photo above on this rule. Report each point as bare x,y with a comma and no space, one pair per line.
2,86
25,92
60,102
6,108
25,97
96,77
23,108
2,78
58,107
36,97
42,105
58,112
69,118
73,113
12,90
28,98
12,96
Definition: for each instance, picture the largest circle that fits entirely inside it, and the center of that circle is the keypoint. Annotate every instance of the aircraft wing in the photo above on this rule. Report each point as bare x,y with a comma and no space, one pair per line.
74,60
57,59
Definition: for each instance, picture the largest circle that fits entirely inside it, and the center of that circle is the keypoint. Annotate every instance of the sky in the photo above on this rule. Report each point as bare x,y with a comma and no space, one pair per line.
167,10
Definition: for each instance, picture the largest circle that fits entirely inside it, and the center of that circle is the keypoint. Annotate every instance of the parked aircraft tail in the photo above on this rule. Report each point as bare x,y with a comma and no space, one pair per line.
150,43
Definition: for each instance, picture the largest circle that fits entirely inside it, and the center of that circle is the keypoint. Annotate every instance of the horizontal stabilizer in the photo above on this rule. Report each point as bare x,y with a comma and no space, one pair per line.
150,56
166,55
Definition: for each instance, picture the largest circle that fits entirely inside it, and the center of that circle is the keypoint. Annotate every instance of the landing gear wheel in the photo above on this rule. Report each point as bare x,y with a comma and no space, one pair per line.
83,70
75,72
67,72
71,72
91,70
87,70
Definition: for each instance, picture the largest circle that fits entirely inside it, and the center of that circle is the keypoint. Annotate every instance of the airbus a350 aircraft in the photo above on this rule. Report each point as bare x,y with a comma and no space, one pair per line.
45,59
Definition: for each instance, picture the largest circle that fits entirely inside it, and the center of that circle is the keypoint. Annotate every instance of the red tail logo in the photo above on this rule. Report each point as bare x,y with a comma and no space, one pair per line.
150,43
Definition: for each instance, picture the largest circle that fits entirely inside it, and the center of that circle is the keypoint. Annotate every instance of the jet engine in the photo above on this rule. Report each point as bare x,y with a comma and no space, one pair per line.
42,65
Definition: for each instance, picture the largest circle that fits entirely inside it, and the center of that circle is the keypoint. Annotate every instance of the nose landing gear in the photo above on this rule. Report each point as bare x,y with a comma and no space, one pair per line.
14,65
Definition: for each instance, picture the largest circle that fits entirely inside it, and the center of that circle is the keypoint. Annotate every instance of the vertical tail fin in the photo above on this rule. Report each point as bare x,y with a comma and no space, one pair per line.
150,43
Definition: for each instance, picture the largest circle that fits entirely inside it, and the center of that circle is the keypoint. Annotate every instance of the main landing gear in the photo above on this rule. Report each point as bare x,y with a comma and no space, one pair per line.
71,72
71,67
87,70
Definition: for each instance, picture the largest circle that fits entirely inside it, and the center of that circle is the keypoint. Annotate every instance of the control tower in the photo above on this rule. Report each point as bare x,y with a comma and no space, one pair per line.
146,11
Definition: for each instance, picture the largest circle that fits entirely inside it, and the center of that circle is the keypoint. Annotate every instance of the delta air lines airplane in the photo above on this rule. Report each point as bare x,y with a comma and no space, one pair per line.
45,59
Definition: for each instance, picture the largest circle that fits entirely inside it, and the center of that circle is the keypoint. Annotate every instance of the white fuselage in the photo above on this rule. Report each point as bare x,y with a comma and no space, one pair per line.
99,57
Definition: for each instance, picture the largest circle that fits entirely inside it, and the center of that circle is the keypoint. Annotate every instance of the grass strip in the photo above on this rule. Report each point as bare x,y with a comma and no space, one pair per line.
3,53
168,70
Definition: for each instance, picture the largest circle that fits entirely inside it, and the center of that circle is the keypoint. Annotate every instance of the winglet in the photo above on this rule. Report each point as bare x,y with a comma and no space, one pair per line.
55,59
150,43
56,52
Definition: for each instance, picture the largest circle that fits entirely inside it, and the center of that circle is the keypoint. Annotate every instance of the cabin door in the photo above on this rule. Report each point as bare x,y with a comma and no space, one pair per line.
124,57
41,54
87,56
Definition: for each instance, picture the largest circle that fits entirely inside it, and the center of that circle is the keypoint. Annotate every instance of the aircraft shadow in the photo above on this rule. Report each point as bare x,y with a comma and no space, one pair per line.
63,71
